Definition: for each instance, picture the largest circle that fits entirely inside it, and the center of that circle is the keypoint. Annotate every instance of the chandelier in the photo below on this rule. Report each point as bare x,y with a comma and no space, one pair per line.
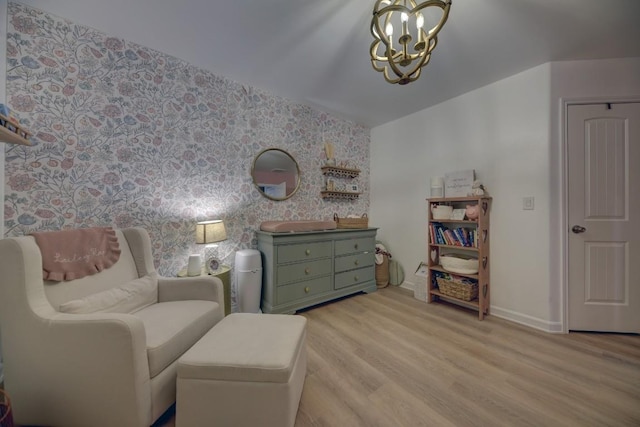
418,23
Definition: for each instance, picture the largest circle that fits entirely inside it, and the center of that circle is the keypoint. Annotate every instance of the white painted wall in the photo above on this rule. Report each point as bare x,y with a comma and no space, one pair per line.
501,131
510,132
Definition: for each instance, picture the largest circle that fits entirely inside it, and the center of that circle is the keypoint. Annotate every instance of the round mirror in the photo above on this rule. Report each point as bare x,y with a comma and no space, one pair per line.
276,174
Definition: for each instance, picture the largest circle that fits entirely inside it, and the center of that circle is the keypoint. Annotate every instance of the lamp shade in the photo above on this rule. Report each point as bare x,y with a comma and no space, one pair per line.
210,231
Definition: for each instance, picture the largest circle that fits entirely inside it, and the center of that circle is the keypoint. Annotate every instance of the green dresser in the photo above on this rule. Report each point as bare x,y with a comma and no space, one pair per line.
307,268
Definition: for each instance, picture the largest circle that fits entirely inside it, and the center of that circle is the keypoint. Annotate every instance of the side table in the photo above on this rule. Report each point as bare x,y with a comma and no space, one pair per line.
223,273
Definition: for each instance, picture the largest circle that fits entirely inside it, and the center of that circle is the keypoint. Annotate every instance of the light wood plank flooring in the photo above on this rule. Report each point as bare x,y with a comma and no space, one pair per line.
387,359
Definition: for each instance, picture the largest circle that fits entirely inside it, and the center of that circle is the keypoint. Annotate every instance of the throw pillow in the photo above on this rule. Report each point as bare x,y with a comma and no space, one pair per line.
127,298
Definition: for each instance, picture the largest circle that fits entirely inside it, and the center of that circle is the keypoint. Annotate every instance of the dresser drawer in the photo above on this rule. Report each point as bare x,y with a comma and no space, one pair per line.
301,290
302,251
303,271
353,277
349,262
350,246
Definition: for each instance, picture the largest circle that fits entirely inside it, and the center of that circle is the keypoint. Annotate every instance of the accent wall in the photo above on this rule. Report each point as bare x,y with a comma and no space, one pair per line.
128,136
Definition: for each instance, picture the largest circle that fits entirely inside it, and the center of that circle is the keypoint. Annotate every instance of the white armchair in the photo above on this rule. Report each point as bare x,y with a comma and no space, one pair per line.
97,368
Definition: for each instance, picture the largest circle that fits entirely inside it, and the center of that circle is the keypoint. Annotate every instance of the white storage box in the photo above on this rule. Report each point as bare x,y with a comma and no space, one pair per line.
420,281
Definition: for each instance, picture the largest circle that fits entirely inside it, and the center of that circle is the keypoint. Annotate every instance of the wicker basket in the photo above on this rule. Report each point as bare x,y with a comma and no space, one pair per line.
362,222
382,273
463,291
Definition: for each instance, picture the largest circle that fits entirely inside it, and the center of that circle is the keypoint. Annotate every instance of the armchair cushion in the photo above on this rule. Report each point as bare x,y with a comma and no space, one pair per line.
173,327
127,298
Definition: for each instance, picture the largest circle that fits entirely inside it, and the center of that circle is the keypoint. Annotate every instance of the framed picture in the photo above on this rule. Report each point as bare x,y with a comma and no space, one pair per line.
213,265
458,214
331,184
353,188
458,184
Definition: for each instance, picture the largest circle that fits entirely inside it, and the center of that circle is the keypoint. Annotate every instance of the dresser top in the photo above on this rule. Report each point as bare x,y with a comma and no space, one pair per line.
307,233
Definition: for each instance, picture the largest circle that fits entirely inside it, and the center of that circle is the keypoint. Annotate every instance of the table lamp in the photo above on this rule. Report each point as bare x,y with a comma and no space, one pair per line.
208,232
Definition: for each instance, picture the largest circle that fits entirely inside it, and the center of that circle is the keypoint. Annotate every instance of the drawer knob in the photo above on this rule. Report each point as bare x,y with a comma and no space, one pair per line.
355,278
307,270
355,246
308,252
307,289
356,262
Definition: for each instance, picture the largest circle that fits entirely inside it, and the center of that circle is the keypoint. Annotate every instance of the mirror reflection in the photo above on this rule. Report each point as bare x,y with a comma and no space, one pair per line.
276,174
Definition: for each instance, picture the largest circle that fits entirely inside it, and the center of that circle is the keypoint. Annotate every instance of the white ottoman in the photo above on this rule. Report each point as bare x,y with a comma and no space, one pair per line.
248,370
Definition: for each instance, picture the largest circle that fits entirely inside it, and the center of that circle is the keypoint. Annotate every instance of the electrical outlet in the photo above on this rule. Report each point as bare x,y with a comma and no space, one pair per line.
527,203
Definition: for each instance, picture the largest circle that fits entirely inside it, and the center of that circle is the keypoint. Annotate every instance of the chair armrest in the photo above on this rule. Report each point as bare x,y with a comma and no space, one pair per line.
85,358
208,288
111,340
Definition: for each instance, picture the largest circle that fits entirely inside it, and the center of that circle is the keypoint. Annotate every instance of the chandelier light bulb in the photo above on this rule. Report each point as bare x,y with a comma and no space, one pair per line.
414,44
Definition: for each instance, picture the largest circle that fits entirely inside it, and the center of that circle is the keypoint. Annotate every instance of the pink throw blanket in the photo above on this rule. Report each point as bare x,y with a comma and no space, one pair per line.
72,254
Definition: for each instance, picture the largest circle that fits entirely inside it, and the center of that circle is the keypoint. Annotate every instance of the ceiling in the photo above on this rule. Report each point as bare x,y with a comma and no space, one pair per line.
317,52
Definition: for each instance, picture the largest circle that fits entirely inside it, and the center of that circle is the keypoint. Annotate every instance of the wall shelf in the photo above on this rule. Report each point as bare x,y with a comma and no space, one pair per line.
18,136
338,172
345,195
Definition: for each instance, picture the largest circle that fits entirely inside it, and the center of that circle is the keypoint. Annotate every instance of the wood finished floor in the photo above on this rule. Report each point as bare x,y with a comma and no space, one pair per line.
387,359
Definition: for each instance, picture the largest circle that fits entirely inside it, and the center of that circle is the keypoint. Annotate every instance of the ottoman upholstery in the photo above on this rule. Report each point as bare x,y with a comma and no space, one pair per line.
248,370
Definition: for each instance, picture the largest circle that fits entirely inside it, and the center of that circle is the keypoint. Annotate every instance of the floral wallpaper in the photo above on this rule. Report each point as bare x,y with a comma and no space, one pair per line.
128,136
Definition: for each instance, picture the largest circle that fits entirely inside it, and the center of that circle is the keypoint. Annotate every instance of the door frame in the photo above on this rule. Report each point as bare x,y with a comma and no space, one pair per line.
565,103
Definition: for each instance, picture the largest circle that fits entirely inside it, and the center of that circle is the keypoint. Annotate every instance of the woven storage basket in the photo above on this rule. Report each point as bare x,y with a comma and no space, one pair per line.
382,273
362,222
463,291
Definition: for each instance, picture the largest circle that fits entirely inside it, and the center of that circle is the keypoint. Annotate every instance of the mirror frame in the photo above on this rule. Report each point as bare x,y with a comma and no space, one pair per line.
253,177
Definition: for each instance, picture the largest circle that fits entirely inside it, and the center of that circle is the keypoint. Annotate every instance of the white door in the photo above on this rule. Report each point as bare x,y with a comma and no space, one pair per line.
604,217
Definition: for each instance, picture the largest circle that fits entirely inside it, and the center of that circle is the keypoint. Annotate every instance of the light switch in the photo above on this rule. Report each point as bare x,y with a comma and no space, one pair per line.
527,203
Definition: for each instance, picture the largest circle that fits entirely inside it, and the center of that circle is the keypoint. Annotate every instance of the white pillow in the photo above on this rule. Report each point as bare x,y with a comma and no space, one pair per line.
127,298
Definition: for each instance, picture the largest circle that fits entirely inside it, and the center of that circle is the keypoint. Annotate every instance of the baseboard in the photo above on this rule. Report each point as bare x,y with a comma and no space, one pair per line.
407,285
526,320
512,316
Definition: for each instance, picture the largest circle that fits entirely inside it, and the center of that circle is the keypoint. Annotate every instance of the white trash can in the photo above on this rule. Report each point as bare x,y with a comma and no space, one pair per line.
248,268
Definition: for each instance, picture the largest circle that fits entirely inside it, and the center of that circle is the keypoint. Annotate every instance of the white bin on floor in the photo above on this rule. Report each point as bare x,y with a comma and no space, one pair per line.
248,268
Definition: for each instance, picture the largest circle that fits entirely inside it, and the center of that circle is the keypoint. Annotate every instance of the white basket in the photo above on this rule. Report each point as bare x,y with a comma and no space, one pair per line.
441,211
459,264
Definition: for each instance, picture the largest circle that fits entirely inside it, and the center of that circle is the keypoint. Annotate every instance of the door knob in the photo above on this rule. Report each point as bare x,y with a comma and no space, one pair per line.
577,229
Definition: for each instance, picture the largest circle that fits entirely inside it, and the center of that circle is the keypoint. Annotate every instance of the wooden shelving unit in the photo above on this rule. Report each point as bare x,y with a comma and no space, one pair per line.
480,249
18,136
339,173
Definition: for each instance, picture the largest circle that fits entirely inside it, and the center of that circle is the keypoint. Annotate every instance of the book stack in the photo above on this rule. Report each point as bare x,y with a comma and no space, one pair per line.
10,121
7,118
460,236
